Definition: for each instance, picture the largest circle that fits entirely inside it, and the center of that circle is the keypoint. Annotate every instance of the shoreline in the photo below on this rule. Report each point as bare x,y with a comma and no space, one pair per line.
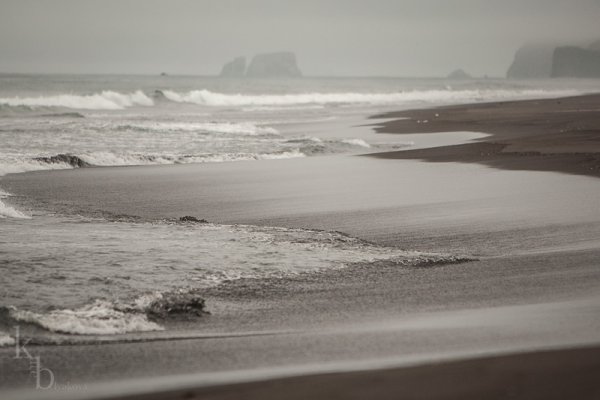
557,135
536,264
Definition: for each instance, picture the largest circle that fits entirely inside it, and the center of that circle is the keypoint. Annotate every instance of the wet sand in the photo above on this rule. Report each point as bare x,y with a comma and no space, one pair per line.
535,285
561,135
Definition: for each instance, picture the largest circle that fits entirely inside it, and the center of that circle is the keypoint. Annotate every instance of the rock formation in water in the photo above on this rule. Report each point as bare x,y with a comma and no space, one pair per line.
532,61
235,68
575,62
274,65
459,74
178,304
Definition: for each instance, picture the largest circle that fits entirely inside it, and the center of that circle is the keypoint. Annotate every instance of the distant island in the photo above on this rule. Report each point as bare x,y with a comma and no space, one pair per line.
267,65
235,68
552,61
459,74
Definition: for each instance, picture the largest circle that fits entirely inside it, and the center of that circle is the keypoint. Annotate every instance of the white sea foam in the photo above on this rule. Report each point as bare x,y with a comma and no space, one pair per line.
234,128
103,317
6,339
99,158
298,107
98,318
106,100
357,142
111,100
14,166
208,98
11,212
8,211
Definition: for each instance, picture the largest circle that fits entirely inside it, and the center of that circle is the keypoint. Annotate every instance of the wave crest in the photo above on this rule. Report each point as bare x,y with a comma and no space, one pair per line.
232,128
106,100
8,211
99,318
207,98
6,339
105,159
111,100
107,318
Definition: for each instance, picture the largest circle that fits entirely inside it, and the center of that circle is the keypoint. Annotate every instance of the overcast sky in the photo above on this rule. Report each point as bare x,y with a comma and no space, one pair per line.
330,37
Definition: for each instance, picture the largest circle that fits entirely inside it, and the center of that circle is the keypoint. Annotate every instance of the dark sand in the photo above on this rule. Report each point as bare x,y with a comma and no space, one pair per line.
536,285
560,135
544,375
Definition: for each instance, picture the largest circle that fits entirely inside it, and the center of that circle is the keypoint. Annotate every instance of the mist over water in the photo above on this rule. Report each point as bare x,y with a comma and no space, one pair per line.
331,38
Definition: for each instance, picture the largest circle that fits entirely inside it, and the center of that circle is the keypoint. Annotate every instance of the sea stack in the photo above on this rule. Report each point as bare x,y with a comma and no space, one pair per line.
532,61
235,68
274,65
575,62
459,74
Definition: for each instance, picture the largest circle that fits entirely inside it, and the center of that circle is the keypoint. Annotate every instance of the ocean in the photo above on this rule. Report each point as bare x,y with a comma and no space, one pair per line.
77,274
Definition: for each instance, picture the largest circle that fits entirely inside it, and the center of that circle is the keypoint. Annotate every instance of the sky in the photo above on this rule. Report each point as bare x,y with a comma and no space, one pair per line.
330,37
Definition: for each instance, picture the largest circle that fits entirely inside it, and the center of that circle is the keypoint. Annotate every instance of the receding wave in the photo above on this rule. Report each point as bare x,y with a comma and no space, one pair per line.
106,100
209,98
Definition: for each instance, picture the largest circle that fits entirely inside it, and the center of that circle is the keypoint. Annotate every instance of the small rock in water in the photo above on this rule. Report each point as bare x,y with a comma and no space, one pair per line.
189,218
177,304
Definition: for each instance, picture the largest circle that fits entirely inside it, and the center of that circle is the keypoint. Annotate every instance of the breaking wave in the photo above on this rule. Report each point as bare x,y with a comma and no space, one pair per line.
111,100
280,148
107,159
99,318
232,128
208,98
8,211
106,100
6,339
103,317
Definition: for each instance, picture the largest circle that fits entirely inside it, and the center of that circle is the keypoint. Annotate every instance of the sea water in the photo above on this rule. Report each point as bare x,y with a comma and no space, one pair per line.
84,275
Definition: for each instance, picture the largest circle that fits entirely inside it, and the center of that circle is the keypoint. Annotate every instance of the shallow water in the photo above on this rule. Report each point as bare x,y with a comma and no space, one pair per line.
77,275
90,276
